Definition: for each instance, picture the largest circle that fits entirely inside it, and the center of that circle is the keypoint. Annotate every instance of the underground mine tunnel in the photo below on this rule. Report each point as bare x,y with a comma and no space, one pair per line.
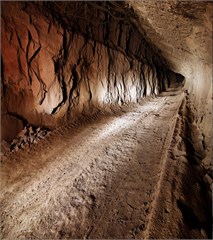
106,115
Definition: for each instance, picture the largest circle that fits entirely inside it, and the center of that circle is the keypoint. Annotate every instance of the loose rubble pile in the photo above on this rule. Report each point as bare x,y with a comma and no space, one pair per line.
28,136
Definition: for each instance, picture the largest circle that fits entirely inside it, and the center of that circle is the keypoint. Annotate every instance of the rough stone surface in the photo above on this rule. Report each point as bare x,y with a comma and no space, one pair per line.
62,60
182,30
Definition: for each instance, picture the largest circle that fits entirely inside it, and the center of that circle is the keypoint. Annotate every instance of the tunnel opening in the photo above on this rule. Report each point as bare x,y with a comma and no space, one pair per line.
104,104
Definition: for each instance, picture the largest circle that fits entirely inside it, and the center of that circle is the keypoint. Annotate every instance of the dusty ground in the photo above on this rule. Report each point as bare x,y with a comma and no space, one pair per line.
101,179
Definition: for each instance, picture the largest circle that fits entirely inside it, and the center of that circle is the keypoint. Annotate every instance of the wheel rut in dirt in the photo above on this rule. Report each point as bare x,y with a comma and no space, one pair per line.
99,182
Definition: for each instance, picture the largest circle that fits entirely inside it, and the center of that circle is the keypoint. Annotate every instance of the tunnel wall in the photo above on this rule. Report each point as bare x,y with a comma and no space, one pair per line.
186,42
200,98
52,72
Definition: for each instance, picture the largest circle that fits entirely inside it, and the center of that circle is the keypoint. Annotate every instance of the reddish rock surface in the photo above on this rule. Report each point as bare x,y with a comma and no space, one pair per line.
52,71
142,170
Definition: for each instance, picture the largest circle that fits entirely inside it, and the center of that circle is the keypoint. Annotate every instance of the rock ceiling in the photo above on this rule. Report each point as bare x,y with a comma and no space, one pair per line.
181,29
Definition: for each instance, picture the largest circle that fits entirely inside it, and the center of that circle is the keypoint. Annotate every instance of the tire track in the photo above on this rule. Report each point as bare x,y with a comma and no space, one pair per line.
99,184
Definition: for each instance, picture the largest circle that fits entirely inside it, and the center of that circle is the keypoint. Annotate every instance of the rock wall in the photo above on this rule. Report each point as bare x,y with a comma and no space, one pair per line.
57,66
186,42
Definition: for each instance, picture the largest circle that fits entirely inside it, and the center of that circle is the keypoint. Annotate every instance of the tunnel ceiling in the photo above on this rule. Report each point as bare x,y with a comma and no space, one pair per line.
100,14
181,29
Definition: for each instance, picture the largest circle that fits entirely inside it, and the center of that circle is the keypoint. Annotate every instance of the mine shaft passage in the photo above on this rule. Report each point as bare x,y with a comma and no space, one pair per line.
99,182
106,119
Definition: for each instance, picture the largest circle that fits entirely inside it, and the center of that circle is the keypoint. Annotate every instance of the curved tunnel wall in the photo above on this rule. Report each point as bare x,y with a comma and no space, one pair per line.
183,32
56,66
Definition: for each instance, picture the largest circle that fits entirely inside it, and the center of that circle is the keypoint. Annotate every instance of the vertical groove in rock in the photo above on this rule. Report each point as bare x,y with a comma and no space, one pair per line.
66,66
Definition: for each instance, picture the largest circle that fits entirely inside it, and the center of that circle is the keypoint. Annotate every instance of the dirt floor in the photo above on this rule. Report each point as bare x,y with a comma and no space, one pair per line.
100,179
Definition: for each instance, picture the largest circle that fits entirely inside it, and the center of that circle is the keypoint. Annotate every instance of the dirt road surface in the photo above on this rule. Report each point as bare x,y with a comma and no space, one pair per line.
97,180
